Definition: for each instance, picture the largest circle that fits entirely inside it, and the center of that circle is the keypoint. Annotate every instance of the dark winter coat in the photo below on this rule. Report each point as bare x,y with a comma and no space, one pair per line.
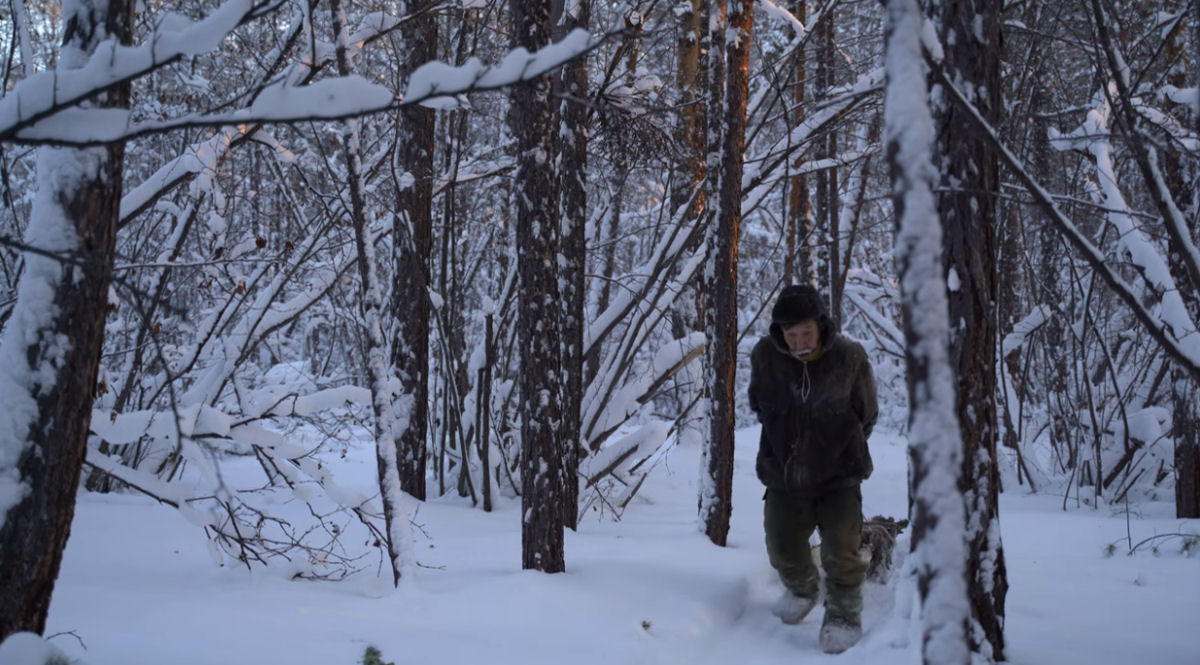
816,416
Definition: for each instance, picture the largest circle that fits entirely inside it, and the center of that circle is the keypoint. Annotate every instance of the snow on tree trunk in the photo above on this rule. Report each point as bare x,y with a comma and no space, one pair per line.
721,309
935,448
1181,176
969,170
395,514
539,302
798,266
573,138
826,238
412,235
50,349
687,203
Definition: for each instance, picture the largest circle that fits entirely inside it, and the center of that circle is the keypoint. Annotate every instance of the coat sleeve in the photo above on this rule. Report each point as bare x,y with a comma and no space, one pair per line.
865,396
752,391
767,465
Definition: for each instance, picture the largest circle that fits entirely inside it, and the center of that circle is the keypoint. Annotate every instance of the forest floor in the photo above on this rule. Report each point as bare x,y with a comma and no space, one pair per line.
139,585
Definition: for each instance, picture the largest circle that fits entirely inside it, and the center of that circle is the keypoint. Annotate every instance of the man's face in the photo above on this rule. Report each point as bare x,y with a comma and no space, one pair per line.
802,336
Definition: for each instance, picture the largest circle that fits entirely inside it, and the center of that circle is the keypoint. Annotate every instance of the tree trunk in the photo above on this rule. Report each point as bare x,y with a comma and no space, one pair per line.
716,495
798,227
939,547
1181,174
51,344
1186,432
398,538
412,235
573,138
968,166
828,201
688,190
540,307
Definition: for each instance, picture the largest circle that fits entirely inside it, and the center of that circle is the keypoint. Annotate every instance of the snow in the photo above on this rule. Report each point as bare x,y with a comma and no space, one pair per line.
1133,241
436,79
647,589
940,559
33,97
1024,328
28,648
27,354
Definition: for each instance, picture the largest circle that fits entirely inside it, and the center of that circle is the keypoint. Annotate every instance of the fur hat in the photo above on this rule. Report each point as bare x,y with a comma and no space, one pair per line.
798,302
801,302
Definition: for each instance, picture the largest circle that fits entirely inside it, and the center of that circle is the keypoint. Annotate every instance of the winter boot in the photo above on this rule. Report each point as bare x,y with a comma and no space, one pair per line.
840,630
792,608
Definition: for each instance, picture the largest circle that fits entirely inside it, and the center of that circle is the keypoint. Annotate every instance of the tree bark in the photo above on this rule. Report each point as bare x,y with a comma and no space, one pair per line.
688,190
1181,175
939,548
969,170
573,138
715,503
799,230
828,200
51,344
540,307
412,235
398,539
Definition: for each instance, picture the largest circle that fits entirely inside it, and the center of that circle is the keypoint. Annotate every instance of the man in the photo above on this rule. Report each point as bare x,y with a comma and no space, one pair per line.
814,392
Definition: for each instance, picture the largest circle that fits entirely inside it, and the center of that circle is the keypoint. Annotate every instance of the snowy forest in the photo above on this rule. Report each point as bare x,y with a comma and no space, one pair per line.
523,248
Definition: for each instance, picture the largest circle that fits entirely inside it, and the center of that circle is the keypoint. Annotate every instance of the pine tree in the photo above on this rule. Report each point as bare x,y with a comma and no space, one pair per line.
52,342
534,123
721,309
968,166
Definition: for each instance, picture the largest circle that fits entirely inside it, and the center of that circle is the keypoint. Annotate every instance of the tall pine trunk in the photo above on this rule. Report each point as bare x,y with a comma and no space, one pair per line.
688,190
1181,175
935,446
573,137
539,321
969,169
798,266
716,495
828,202
412,234
51,343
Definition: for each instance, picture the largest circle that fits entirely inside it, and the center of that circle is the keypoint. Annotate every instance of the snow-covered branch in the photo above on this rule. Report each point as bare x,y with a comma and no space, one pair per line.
33,110
39,110
1183,345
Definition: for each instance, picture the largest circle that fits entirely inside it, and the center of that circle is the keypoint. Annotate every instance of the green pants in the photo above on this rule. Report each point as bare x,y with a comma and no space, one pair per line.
789,521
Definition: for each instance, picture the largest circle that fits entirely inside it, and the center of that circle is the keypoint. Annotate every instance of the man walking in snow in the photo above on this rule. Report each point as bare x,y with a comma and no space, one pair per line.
814,393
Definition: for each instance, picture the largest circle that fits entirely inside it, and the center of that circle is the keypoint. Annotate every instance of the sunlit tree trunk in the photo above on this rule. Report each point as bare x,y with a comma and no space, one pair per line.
51,343
969,171
721,315
539,301
688,190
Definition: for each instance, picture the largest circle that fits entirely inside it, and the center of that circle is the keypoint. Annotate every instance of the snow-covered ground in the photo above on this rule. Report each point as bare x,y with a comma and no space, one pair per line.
138,585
